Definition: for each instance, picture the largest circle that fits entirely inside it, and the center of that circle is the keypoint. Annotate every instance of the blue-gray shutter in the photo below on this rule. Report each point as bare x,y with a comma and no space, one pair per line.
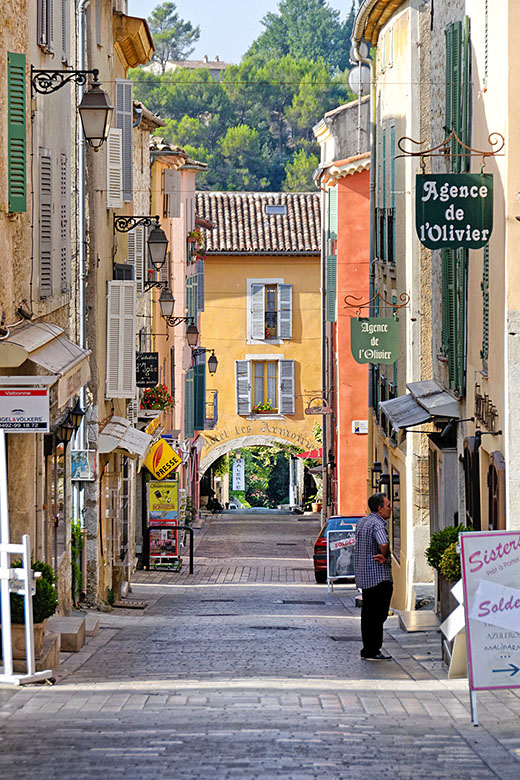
243,386
285,311
200,285
188,404
124,121
333,213
45,223
257,311
64,223
286,386
199,393
172,188
331,288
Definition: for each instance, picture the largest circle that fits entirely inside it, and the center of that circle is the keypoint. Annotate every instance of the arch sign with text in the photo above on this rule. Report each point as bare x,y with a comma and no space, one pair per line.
454,210
374,339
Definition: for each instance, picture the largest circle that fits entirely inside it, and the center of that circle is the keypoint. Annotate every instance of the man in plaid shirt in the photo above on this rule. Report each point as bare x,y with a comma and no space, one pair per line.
373,572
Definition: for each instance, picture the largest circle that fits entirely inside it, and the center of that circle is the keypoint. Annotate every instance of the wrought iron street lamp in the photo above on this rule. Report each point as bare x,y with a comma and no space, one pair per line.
157,242
167,305
212,360
94,109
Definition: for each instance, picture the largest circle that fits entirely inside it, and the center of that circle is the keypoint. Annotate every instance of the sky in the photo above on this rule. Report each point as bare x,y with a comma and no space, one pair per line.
227,27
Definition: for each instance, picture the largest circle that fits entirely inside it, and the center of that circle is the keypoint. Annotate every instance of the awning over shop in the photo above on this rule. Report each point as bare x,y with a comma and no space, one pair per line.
119,434
46,346
310,454
425,401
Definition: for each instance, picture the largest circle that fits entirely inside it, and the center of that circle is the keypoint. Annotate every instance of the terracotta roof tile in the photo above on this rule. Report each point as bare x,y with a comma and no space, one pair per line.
242,225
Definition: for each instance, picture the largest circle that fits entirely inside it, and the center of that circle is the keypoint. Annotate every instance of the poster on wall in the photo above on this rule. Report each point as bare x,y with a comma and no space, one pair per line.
83,465
454,210
491,577
374,339
162,503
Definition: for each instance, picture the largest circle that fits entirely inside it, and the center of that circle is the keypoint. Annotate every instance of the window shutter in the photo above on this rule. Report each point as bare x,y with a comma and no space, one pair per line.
172,188
199,394
286,386
65,54
45,223
172,372
64,223
136,249
243,385
16,134
333,213
188,404
331,288
114,177
46,24
164,271
121,331
200,285
124,121
285,311
461,294
257,311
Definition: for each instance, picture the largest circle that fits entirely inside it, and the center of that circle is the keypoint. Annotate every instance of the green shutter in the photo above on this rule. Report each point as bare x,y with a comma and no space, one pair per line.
188,404
458,86
331,290
199,395
454,292
484,352
16,132
333,213
462,265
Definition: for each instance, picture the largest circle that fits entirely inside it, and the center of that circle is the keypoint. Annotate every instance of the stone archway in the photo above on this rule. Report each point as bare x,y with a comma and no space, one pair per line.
258,440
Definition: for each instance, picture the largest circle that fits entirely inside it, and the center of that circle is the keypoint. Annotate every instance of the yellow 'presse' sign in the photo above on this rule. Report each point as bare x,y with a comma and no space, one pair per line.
162,459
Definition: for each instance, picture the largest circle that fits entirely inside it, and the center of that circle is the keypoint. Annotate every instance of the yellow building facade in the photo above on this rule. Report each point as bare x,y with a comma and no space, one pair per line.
261,319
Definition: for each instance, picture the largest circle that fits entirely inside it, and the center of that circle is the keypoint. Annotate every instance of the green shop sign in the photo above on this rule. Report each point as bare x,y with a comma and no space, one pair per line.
374,339
454,210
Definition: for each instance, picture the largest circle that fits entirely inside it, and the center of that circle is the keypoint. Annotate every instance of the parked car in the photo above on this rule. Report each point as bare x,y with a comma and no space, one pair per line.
334,523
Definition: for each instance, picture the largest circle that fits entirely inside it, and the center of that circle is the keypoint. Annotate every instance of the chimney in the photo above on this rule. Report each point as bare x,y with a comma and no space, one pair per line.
217,59
205,58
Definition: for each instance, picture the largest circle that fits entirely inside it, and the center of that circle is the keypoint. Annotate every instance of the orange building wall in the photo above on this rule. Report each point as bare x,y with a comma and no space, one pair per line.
352,378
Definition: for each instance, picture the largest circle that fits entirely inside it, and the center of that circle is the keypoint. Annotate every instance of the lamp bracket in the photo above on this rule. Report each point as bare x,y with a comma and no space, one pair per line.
172,322
47,81
124,224
148,285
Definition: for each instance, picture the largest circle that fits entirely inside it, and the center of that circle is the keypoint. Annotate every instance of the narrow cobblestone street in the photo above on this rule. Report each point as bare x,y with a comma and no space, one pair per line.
248,669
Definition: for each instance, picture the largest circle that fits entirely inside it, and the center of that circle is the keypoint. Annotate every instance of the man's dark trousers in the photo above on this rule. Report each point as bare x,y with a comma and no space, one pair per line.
374,611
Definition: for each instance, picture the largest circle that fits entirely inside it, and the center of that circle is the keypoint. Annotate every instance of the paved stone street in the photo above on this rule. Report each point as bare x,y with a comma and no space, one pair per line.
248,669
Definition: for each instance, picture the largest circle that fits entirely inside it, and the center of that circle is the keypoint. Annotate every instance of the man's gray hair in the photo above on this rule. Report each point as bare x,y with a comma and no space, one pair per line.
376,501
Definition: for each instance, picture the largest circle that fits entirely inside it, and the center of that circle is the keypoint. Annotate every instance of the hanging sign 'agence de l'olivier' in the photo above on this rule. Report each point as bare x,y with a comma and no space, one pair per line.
374,339
454,210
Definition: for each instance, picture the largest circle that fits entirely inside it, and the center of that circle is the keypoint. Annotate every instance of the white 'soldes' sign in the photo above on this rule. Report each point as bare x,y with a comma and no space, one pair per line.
24,410
491,578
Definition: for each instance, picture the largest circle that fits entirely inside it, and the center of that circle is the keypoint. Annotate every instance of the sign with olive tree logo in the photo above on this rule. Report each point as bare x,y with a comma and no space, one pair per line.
454,210
374,339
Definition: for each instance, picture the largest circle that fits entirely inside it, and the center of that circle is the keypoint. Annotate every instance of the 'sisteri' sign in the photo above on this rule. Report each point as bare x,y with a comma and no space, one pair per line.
454,210
374,339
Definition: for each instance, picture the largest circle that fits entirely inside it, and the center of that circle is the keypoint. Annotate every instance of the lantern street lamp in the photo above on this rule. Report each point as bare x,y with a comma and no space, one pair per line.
94,109
167,305
157,242
212,361
76,415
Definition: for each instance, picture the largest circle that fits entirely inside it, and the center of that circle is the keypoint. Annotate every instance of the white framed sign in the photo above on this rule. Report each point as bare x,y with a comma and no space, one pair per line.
83,465
239,475
340,552
24,409
359,426
491,580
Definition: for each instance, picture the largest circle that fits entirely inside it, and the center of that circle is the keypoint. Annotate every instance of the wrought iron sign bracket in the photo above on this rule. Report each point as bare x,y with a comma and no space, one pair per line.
172,322
444,149
124,224
149,285
404,297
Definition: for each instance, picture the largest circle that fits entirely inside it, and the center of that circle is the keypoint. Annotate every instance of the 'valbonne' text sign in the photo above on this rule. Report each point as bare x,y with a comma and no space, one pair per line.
454,210
491,579
374,339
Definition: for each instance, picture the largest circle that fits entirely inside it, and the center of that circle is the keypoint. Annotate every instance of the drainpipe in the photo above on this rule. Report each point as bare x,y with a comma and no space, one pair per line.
81,438
373,139
325,359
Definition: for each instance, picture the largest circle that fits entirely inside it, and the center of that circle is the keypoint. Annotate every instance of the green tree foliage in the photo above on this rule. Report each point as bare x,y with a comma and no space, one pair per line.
173,38
252,125
299,172
305,29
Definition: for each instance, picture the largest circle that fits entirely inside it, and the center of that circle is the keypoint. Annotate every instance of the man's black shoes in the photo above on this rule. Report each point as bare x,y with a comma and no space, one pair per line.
376,657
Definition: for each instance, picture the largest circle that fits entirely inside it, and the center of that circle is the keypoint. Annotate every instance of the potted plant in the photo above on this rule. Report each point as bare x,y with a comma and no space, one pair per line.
441,554
197,240
45,601
156,398
264,408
